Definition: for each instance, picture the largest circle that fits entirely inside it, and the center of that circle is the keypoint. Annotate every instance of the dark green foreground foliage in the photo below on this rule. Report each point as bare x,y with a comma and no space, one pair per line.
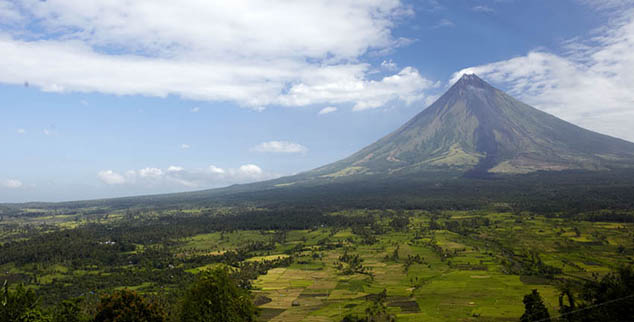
128,306
216,297
610,299
19,305
535,308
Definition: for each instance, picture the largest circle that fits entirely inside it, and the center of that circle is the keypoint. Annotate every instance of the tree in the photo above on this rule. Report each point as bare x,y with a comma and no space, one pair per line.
399,223
19,305
128,306
609,299
376,312
70,311
353,265
215,296
534,308
395,256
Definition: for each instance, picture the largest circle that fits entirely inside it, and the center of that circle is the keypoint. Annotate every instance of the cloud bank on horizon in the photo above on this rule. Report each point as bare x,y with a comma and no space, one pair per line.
190,178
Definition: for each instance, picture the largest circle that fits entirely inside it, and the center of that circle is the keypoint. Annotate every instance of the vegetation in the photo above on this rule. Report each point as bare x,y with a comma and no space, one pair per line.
535,310
128,306
217,297
288,263
609,299
19,305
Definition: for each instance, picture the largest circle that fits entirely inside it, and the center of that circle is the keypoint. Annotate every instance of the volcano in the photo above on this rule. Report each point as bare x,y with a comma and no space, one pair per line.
477,129
444,157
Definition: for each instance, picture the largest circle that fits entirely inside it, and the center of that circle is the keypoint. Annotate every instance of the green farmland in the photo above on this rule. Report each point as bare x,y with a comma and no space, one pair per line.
433,265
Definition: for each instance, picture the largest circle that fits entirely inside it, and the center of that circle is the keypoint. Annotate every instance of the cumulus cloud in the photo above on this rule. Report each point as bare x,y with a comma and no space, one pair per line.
589,85
210,51
280,147
251,170
327,109
150,172
215,170
174,168
111,177
185,146
12,183
332,85
178,176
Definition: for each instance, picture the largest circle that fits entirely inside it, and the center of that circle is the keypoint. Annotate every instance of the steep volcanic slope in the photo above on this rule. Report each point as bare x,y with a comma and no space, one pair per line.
478,129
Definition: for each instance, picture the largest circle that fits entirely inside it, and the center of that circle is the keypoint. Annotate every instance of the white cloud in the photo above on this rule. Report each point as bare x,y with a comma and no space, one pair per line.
484,9
150,172
178,176
280,147
215,170
47,132
250,170
110,177
21,131
195,109
9,13
331,85
220,51
327,109
185,146
174,168
590,85
12,183
607,4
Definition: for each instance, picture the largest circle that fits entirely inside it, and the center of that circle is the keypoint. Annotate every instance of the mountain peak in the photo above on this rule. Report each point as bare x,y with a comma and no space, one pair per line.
471,80
477,129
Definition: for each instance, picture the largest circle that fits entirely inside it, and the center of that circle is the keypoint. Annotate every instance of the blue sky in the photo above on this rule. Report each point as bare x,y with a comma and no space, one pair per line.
114,99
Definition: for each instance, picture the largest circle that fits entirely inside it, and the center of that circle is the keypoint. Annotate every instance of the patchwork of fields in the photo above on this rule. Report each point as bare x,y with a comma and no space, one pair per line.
434,266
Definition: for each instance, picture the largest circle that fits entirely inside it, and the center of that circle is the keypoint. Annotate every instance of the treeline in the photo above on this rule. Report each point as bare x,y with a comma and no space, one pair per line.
540,192
214,296
99,244
596,216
